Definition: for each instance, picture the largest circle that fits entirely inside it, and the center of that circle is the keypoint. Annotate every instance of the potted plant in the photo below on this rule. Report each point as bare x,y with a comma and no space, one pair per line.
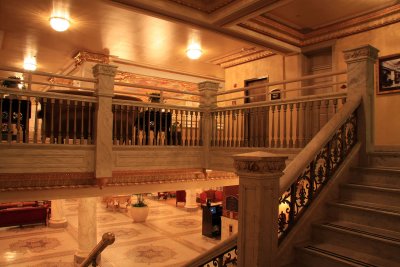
139,210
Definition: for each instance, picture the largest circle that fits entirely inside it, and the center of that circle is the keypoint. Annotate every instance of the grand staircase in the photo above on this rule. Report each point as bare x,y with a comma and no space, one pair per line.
363,226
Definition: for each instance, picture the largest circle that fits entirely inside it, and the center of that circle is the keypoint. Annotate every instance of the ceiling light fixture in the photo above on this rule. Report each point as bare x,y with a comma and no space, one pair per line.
194,51
59,24
30,63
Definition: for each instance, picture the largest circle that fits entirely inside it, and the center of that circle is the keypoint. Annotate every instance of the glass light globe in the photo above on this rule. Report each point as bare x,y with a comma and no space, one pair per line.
194,51
30,63
59,24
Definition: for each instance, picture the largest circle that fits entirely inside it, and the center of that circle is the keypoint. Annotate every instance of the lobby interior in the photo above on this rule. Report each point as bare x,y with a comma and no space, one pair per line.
241,43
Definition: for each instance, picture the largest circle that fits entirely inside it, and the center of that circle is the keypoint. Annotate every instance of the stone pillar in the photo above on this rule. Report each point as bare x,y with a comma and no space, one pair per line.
87,228
104,119
208,98
191,203
360,82
259,174
57,219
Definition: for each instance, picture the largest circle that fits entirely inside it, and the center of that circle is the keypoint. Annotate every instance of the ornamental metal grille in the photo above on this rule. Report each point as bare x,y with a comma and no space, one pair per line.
296,199
225,259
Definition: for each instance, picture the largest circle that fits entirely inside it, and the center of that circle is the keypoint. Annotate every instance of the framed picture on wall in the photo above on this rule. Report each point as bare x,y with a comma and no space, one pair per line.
389,74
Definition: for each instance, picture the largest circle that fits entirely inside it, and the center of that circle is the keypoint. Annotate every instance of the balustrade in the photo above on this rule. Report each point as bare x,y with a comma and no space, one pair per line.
272,124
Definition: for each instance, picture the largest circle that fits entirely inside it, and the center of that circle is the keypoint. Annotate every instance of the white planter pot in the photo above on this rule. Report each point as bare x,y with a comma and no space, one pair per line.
139,214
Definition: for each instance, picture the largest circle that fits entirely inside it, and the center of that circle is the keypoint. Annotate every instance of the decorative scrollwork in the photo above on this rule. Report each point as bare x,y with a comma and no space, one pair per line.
228,258
298,197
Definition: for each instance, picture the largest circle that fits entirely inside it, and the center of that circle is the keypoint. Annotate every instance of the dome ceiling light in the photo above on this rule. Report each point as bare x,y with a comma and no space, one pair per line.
194,51
59,24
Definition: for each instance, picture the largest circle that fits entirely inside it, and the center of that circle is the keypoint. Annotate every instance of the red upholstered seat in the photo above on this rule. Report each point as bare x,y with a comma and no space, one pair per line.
218,196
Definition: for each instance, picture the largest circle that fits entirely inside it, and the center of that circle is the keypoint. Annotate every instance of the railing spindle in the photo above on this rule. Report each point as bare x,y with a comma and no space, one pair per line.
284,142
67,127
52,100
82,122
228,138
35,127
121,123
115,124
267,126
28,110
278,134
59,137
311,116
262,127
273,127
304,139
246,123
297,141
191,128
19,117
43,137
89,123
75,110
201,122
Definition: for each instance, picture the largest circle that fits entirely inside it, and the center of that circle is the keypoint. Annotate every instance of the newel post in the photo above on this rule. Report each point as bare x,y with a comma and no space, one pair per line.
208,98
259,174
360,82
104,120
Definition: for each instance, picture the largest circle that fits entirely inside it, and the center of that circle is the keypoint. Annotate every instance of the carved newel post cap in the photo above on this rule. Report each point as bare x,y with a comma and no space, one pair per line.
259,162
108,238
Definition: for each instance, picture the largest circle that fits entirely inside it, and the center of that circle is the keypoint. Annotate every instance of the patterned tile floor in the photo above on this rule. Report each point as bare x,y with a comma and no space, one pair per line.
170,237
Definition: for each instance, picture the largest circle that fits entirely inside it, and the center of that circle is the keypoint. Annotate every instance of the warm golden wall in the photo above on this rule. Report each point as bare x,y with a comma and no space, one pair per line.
387,107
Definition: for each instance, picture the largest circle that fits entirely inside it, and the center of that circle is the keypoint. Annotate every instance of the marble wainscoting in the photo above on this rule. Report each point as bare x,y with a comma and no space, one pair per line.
170,237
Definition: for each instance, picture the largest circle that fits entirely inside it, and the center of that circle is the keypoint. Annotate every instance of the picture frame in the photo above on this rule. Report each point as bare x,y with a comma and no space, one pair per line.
389,74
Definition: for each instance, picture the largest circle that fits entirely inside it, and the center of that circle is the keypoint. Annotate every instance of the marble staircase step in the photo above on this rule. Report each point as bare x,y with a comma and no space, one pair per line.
385,196
374,176
384,158
359,238
329,255
374,215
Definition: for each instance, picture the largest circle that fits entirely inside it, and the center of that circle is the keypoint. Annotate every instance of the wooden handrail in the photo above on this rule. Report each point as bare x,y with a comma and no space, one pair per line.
303,78
300,162
106,240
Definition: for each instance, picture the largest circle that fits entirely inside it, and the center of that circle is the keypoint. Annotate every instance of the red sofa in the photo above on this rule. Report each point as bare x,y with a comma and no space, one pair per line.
23,215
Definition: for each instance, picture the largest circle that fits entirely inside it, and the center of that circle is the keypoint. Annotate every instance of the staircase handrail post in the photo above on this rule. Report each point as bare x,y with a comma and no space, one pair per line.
104,86
259,174
360,82
208,99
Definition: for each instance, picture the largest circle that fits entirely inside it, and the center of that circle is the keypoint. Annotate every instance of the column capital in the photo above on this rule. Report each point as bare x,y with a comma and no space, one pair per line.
104,69
208,85
259,163
365,52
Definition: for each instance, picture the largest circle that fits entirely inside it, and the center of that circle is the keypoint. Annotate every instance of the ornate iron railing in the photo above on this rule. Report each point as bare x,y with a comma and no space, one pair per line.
296,199
227,258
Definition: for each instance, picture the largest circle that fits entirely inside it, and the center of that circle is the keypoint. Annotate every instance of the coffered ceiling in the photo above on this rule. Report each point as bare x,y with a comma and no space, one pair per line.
156,33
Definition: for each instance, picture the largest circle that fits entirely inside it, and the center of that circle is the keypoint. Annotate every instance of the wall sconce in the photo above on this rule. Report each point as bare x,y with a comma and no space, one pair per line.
59,24
194,51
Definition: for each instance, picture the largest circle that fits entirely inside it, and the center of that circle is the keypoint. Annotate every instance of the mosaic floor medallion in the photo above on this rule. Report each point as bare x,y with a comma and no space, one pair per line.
38,244
105,218
53,264
151,254
184,223
160,212
125,233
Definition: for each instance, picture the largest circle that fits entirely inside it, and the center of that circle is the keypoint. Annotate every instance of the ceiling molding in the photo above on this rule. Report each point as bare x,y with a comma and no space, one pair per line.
241,57
206,6
85,56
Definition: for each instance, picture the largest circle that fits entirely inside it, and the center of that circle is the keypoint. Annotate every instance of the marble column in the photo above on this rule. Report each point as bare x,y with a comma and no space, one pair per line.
191,203
87,228
104,120
259,174
57,218
360,82
208,100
